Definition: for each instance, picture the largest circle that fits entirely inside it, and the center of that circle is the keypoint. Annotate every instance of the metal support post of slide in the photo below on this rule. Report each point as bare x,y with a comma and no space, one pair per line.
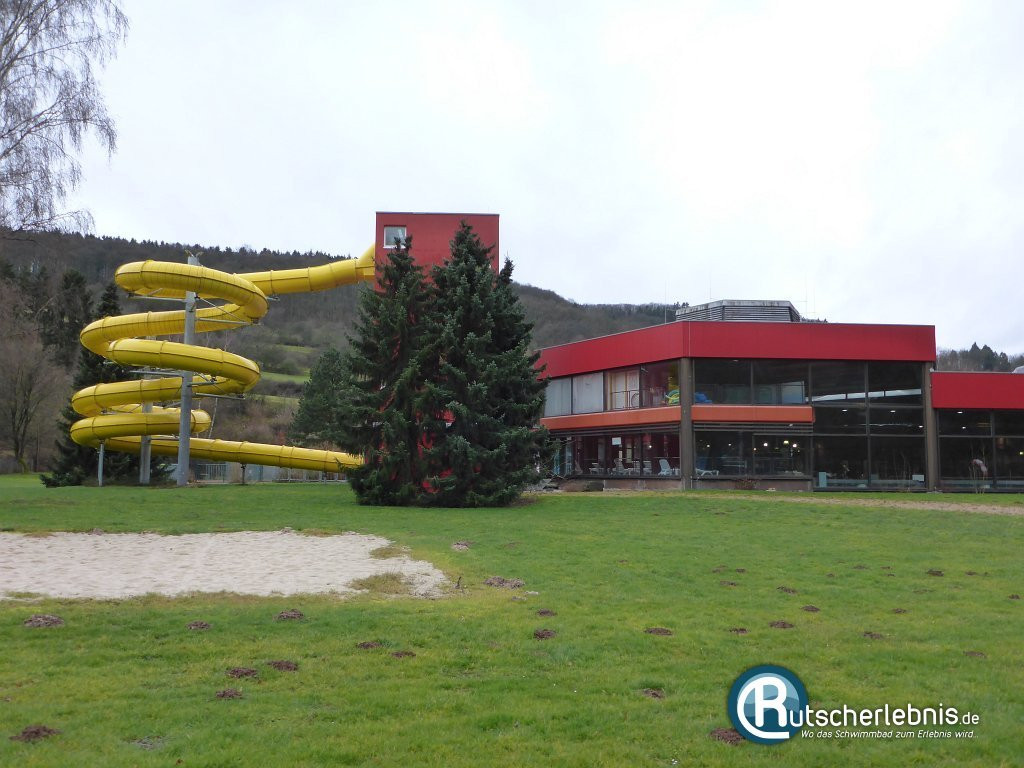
99,463
185,426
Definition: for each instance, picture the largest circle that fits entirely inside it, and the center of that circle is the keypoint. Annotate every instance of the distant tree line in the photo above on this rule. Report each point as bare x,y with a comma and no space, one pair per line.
977,359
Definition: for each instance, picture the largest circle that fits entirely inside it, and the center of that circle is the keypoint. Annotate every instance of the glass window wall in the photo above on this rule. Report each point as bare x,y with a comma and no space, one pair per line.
588,393
721,381
963,423
894,382
558,397
622,389
896,421
849,420
780,454
1009,454
836,381
659,384
722,453
897,462
840,462
780,382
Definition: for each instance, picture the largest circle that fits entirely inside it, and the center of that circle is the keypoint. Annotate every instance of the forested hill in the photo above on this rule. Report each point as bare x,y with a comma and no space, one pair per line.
321,320
315,320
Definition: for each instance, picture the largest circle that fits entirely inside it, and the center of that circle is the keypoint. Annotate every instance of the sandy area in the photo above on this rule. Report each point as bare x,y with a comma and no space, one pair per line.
120,565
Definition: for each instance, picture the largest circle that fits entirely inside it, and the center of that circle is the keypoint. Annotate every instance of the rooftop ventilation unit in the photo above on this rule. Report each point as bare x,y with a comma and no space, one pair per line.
749,311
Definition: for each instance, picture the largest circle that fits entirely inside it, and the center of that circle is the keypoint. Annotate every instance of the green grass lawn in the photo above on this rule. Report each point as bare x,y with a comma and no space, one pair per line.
284,378
127,684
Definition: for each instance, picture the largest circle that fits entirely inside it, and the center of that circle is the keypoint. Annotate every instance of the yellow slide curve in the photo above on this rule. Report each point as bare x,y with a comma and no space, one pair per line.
114,412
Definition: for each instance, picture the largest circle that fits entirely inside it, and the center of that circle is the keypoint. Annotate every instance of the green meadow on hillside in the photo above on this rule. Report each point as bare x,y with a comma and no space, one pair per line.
126,683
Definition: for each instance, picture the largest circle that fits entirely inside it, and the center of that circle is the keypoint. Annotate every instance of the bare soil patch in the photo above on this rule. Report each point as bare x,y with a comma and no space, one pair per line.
403,654
975,654
653,693
658,631
198,626
873,635
283,665
787,590
462,546
502,583
935,572
229,693
242,672
728,735
739,630
367,645
34,733
546,612
544,634
899,610
781,625
811,608
38,620
290,615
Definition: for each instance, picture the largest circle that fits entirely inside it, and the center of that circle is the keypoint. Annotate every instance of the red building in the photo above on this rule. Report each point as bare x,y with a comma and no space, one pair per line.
787,405
432,233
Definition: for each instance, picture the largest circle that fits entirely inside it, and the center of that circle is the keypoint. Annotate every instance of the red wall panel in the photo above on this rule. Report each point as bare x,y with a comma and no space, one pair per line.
611,419
432,233
792,341
978,390
791,414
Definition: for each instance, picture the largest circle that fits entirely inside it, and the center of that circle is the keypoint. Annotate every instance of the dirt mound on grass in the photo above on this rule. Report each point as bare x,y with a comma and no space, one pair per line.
242,672
290,615
229,693
198,626
502,583
728,735
658,631
34,733
38,620
653,693
781,625
283,665
544,634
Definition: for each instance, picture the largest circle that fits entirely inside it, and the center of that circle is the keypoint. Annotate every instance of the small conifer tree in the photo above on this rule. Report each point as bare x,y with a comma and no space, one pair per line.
318,405
75,463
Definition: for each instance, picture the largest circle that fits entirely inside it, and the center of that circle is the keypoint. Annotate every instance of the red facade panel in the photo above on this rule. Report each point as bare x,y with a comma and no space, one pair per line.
1002,391
783,414
659,342
628,418
786,341
432,233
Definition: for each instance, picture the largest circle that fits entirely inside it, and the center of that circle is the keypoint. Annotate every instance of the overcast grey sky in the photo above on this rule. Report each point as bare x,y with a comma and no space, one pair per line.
864,160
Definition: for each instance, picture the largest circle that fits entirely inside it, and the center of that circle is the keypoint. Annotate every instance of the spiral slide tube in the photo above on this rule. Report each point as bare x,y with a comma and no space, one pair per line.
114,412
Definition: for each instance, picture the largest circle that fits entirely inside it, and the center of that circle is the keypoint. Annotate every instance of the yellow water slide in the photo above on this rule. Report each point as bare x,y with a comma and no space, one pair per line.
120,413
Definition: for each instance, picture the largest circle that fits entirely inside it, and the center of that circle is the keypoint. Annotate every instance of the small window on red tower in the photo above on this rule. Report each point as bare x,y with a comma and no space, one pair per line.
393,233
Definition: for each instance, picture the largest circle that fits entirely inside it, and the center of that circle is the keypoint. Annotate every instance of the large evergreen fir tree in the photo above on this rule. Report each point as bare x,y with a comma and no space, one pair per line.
62,318
481,378
318,405
378,411
76,463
